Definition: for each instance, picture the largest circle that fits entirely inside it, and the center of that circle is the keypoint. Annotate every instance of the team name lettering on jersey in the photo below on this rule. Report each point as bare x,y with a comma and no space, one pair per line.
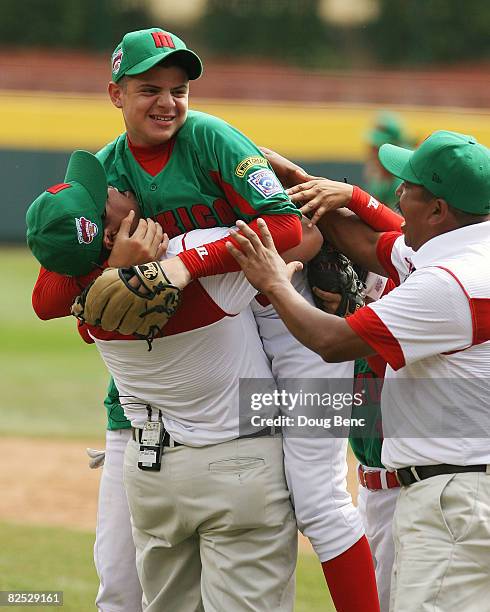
198,216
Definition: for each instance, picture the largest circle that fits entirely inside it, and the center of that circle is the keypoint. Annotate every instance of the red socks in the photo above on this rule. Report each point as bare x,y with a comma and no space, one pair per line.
351,580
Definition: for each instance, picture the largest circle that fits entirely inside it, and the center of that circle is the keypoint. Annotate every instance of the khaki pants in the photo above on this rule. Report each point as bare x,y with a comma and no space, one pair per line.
214,529
441,530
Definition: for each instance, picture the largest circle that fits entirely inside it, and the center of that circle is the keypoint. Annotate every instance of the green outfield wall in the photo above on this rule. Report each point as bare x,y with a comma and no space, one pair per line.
39,131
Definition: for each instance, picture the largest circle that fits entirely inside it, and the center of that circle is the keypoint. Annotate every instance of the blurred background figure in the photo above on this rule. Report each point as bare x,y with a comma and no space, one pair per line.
388,128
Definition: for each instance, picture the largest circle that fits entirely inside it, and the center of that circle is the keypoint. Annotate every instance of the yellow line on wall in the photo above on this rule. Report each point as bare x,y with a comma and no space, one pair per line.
49,121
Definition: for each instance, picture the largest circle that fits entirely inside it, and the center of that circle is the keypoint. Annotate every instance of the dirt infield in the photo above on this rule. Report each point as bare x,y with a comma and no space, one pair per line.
47,482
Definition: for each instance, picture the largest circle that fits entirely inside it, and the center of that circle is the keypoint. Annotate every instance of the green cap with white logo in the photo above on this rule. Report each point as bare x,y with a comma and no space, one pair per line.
65,223
141,50
450,165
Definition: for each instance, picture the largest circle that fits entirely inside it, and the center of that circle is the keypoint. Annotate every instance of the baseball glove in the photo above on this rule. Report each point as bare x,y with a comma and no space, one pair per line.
331,271
137,300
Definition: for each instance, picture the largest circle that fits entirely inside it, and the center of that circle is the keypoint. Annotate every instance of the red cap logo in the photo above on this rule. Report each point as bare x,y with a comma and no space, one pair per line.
58,187
86,230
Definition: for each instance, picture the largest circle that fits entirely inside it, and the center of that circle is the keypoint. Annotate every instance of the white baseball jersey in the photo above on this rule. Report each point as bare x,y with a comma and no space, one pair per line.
434,327
316,467
192,373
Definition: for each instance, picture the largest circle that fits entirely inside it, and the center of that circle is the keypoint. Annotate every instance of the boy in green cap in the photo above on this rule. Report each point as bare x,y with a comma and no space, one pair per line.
433,330
187,169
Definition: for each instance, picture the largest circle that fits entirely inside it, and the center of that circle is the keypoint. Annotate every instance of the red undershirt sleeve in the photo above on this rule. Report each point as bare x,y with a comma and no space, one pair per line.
214,258
373,213
53,293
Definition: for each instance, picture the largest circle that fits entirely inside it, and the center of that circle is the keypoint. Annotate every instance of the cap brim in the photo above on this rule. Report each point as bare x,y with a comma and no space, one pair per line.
86,169
189,61
397,161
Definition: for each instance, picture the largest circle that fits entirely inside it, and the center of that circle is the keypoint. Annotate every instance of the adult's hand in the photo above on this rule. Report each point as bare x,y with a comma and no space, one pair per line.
259,259
320,195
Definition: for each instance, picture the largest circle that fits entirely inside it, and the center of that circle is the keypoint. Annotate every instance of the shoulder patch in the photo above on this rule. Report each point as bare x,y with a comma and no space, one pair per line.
247,163
265,182
57,188
86,230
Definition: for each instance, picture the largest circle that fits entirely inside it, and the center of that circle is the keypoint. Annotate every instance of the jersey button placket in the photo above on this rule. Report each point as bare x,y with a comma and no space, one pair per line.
153,187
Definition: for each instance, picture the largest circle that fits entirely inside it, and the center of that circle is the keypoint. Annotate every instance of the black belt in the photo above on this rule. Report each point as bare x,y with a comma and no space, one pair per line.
410,475
167,441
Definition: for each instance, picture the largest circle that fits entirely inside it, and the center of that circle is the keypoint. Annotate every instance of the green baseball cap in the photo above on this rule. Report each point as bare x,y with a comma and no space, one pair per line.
450,165
141,50
64,224
388,128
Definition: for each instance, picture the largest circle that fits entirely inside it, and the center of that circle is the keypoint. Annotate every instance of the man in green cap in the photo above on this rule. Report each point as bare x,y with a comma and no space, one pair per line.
433,330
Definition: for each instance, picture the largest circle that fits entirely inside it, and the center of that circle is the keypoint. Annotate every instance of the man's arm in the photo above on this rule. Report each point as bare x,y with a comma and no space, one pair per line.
329,336
351,236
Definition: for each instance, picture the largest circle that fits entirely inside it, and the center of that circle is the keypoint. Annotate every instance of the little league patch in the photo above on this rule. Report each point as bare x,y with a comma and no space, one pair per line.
265,182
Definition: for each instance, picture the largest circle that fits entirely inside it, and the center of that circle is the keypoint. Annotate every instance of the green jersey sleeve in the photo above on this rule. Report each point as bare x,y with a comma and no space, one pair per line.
237,166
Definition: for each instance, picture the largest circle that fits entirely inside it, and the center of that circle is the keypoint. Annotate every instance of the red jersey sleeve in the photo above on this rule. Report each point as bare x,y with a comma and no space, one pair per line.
368,325
384,249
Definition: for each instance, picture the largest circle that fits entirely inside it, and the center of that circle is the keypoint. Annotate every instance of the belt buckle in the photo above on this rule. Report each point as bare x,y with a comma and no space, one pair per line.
399,479
413,471
364,480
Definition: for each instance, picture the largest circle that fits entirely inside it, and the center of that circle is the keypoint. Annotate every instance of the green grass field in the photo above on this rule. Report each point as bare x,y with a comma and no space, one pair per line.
53,386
